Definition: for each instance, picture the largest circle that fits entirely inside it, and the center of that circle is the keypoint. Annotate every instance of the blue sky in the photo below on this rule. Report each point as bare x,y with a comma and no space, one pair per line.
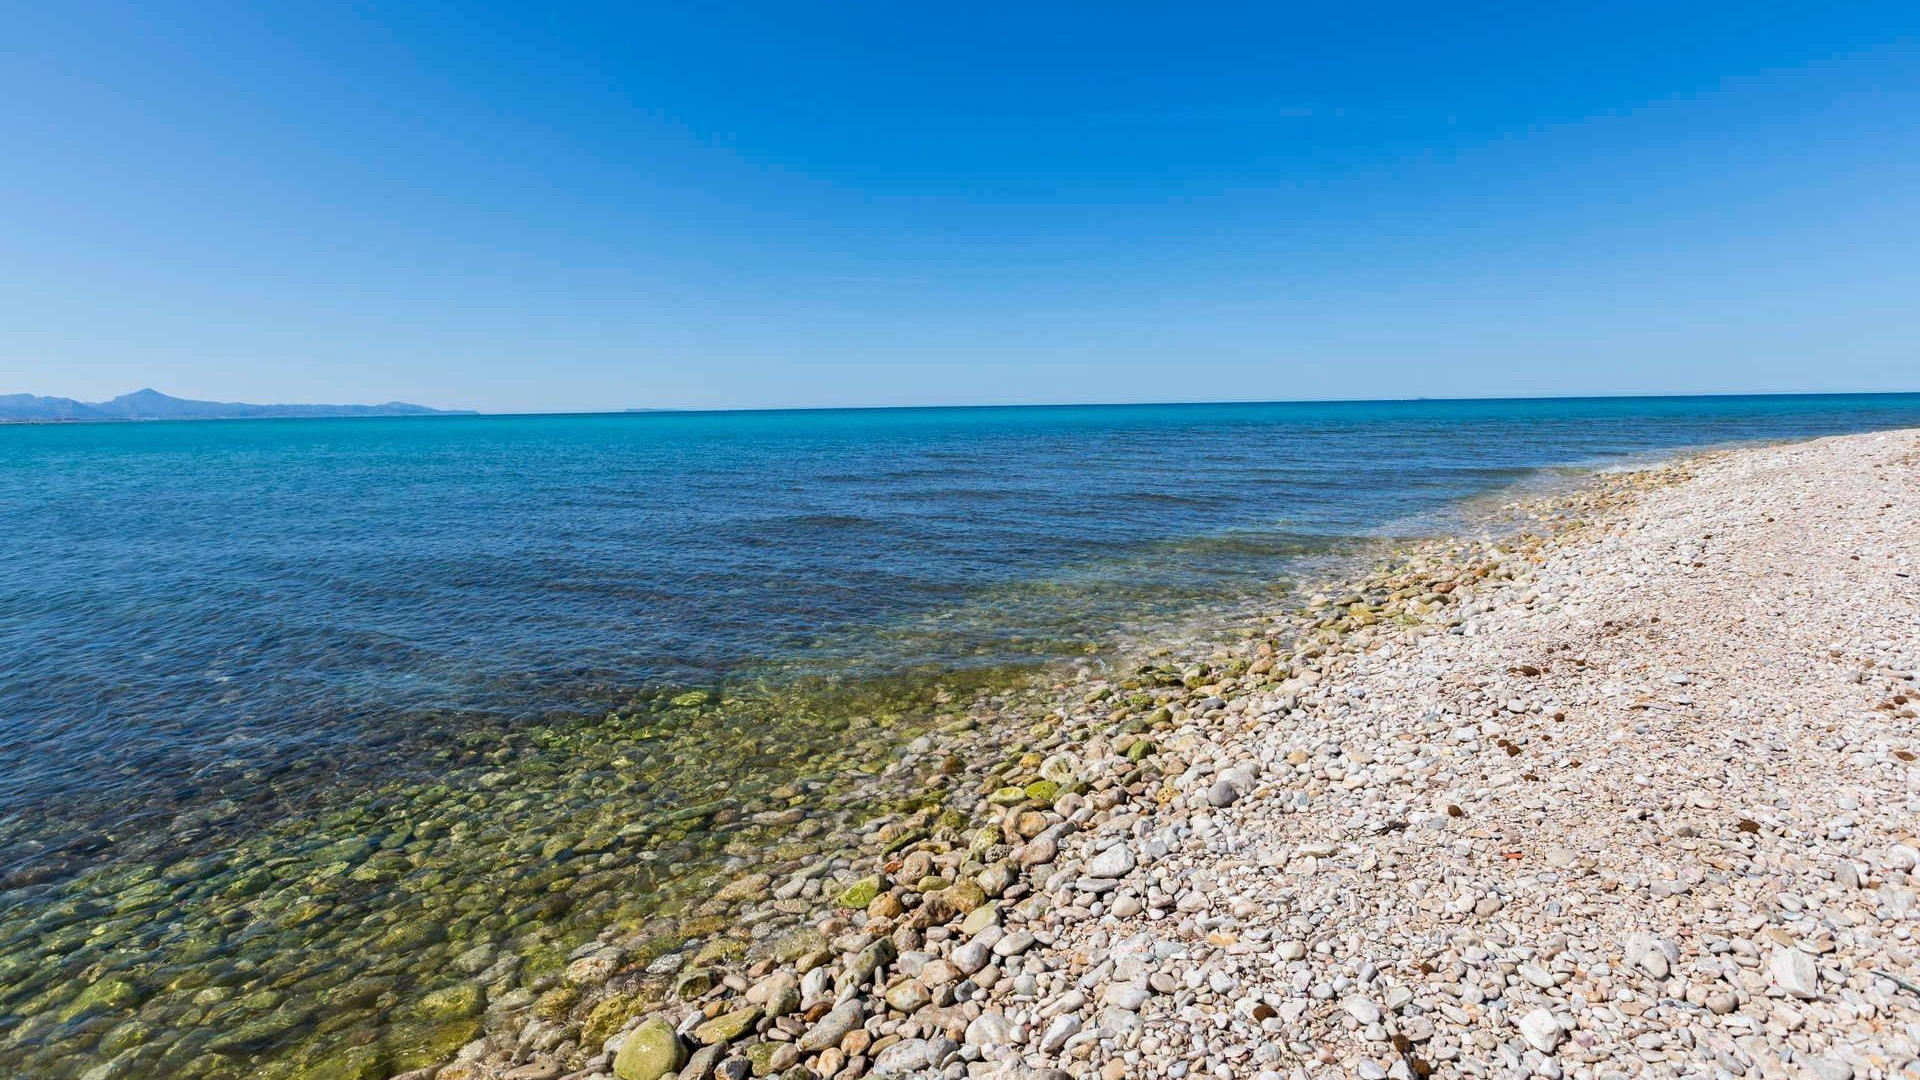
582,206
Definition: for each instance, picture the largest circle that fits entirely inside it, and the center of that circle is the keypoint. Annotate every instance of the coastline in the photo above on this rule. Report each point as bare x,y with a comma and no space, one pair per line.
1249,864
982,839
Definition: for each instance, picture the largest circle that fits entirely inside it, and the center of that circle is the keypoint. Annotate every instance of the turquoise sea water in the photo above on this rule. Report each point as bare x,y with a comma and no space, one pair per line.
185,605
298,718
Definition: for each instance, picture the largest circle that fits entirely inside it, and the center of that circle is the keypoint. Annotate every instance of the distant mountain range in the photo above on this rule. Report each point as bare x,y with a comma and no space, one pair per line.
153,405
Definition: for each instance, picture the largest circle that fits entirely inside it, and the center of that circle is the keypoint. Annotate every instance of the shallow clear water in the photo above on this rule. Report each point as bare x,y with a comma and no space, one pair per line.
185,602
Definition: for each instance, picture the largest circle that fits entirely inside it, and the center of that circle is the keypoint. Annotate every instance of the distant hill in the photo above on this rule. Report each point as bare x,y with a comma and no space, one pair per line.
153,405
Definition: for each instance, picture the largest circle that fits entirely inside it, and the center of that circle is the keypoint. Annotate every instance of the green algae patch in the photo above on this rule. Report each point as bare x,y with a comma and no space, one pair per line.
368,936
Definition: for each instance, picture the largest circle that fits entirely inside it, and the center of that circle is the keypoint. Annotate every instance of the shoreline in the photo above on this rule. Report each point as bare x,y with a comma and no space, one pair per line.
987,852
1115,896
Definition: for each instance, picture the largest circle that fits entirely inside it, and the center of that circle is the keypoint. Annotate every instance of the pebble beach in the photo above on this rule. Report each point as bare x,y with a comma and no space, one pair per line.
1628,793
1617,782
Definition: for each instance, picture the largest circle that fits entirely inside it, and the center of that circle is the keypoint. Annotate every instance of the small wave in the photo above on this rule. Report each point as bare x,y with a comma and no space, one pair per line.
1169,498
830,521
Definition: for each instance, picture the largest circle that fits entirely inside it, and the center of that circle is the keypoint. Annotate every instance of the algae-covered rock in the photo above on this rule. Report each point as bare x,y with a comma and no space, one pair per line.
609,1016
556,1003
259,1031
108,993
418,1046
955,900
870,961
797,944
693,984
125,1037
1043,791
861,893
353,1063
727,1027
720,950
760,1057
746,888
649,1052
451,1003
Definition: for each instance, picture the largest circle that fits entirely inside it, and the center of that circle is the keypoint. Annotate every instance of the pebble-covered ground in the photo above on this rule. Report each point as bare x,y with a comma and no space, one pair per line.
1632,794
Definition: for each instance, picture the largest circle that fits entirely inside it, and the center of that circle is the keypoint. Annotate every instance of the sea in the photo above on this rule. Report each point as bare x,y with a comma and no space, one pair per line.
228,646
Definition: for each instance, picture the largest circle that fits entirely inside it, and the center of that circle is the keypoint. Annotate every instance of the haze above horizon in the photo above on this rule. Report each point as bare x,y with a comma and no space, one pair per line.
754,205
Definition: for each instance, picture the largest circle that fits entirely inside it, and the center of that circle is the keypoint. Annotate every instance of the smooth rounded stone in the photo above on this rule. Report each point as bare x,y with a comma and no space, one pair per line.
702,1063
831,1028
1126,996
649,1052
968,959
1651,953
980,918
1222,794
1362,1009
1541,1030
1057,1033
911,962
908,996
997,879
903,1057
784,1056
1114,862
1126,907
1038,852
815,986
1794,972
778,994
869,962
1536,975
992,1029
1014,944
1120,1023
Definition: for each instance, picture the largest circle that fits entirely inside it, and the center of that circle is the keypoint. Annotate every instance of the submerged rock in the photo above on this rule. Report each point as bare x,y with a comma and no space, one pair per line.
649,1052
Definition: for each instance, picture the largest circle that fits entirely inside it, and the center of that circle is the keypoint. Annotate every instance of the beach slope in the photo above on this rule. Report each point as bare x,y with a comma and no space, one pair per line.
1649,808
1631,793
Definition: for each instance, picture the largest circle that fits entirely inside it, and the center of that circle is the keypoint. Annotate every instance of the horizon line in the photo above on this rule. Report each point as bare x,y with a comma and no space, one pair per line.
455,413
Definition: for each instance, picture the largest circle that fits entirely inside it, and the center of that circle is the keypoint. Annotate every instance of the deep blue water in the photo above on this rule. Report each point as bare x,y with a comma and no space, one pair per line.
180,597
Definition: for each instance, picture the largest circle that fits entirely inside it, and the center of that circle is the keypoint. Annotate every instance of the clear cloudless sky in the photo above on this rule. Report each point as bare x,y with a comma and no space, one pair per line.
584,206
